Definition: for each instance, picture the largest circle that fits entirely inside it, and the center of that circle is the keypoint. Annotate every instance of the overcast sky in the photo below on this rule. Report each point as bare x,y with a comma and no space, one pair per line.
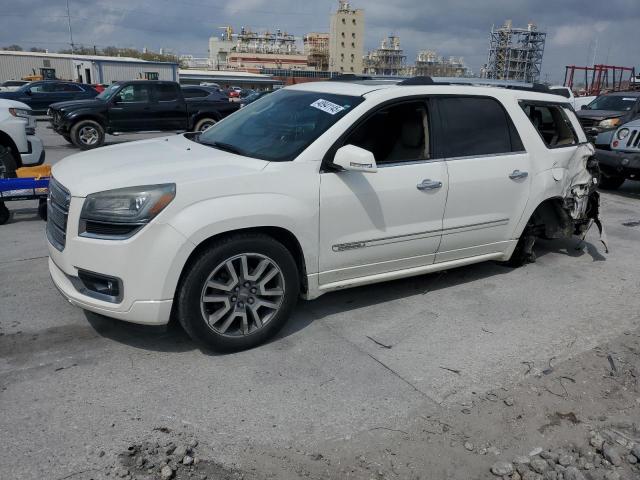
452,27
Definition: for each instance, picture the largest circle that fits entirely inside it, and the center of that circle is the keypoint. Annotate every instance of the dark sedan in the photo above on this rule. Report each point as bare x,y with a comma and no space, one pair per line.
608,112
39,95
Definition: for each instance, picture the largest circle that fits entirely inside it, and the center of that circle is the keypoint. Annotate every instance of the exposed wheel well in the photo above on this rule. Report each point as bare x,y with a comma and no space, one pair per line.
7,141
551,220
282,235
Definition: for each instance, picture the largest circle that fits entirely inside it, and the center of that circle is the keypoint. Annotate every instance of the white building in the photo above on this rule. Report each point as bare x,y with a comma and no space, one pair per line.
83,68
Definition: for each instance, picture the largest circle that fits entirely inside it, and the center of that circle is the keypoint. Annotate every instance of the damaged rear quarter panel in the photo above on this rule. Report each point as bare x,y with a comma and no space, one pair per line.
565,174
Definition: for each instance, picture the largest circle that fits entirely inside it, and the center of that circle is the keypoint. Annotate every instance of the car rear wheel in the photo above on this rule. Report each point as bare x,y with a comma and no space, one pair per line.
87,134
239,292
611,182
204,123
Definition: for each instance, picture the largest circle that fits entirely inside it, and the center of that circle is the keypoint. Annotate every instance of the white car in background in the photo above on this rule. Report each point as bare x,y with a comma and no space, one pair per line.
576,102
18,136
316,187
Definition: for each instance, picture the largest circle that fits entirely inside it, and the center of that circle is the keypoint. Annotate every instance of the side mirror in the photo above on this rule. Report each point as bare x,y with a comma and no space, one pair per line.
355,159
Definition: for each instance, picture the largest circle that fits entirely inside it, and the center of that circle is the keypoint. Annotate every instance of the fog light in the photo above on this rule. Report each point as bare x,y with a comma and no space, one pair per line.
101,286
625,161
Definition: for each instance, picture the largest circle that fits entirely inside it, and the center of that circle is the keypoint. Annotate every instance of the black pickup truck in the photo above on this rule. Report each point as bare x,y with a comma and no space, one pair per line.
135,106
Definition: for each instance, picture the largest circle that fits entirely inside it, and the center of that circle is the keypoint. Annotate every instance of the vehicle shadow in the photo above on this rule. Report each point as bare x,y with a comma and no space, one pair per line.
629,189
572,247
172,338
169,338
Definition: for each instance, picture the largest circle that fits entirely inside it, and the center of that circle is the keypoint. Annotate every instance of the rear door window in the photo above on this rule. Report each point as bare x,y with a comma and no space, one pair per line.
552,123
475,126
166,92
194,92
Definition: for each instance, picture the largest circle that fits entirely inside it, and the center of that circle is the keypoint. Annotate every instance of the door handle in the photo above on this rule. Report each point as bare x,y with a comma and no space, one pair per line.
429,184
517,175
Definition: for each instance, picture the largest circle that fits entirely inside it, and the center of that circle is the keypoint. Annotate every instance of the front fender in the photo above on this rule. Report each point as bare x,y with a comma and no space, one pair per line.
203,220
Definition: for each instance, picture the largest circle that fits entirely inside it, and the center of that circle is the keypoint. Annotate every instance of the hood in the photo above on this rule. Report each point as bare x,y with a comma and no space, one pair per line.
172,159
10,94
77,104
632,124
600,114
13,104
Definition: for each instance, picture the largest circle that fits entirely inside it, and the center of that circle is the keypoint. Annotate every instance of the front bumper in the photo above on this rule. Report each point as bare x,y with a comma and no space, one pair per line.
626,164
35,154
148,264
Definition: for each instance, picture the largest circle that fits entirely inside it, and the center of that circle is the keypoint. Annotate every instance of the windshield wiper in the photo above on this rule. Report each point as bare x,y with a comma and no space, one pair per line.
227,147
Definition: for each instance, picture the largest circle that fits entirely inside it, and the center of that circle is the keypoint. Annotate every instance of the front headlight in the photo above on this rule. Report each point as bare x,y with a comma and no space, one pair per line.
623,133
120,213
20,112
609,123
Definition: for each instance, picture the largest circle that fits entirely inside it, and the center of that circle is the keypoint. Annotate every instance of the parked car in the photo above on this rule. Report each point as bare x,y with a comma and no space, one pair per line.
253,97
576,102
210,84
11,85
18,137
135,106
203,93
234,93
618,154
317,187
608,112
39,95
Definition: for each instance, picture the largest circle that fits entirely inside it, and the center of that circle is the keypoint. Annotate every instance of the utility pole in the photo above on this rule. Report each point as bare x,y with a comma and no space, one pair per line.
70,31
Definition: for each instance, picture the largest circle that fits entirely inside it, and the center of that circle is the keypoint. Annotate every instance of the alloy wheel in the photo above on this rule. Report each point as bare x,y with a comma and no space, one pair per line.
242,294
88,135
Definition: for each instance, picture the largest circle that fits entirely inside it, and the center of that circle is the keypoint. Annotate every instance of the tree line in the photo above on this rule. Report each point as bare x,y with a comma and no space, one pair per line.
106,51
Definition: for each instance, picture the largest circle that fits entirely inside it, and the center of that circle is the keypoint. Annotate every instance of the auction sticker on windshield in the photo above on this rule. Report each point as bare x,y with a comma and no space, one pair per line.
327,106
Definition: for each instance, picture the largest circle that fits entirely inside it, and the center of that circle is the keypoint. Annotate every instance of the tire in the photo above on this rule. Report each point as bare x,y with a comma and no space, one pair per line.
42,209
8,164
204,123
271,270
67,138
87,134
611,182
5,215
523,253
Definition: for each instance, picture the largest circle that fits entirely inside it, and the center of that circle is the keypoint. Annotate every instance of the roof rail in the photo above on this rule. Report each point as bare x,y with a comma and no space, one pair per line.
418,81
350,77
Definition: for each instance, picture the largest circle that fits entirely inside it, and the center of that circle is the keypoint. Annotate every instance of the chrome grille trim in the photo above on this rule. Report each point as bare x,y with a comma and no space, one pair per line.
57,214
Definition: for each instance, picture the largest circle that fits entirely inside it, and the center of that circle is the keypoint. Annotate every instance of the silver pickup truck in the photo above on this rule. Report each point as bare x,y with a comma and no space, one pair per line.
621,160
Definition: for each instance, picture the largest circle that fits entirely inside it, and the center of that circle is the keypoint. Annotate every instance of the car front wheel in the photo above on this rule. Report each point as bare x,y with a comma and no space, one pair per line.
87,134
239,292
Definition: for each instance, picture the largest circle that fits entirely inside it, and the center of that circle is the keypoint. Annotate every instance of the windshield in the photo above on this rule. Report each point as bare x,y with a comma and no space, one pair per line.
618,103
108,92
279,126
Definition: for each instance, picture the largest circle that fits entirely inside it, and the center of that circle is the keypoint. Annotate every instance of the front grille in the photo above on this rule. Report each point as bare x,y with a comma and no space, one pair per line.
634,139
57,214
587,122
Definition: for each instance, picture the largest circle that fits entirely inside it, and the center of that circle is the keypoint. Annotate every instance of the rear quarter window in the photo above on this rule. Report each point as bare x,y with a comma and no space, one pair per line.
552,123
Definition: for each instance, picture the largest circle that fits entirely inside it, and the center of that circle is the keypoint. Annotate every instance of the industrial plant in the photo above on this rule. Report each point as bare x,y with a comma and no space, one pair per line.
515,53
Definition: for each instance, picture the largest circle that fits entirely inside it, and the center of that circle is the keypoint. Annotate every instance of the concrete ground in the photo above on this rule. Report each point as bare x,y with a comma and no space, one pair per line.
349,370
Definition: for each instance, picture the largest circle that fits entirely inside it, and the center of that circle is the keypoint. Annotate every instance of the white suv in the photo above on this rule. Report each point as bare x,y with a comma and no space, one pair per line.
18,135
314,188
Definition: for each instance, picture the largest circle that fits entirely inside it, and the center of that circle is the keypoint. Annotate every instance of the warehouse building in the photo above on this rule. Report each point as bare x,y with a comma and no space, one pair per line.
82,68
229,78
